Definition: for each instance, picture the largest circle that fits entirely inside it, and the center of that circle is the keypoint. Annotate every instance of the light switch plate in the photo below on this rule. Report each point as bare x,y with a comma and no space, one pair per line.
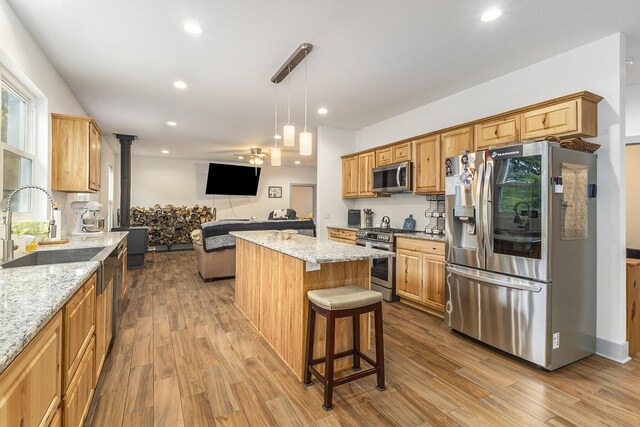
327,215
311,266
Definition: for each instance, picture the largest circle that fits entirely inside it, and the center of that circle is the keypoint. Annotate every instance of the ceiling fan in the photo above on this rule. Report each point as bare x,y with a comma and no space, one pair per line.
256,156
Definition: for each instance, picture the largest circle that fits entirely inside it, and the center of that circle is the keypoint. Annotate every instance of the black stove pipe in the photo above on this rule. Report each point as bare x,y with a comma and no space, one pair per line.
126,141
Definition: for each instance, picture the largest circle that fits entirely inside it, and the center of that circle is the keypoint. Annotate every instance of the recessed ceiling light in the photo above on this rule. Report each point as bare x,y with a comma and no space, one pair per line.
491,14
322,110
277,137
192,27
628,61
240,157
297,162
165,151
171,123
180,84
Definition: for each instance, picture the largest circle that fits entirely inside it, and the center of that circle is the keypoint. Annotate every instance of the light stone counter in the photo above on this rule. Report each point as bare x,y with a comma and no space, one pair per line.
77,242
311,249
422,236
30,297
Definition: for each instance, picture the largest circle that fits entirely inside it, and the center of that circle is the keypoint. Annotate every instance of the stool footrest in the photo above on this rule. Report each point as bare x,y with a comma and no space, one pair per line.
337,356
355,376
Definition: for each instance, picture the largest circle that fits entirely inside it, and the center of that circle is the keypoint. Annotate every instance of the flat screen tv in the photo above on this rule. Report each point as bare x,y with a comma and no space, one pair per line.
232,180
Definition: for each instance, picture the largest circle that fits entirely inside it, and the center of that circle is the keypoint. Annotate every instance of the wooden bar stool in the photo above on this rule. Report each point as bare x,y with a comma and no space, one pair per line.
333,304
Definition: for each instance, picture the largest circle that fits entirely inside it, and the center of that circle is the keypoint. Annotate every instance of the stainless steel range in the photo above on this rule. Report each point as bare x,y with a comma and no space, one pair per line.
383,269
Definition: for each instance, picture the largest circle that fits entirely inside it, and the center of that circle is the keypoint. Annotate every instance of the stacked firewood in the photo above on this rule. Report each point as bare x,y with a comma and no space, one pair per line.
170,225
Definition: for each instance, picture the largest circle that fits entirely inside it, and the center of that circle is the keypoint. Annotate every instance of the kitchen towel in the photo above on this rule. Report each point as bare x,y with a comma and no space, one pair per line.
33,228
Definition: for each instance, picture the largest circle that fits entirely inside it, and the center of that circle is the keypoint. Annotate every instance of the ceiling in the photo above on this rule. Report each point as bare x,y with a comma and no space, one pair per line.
371,60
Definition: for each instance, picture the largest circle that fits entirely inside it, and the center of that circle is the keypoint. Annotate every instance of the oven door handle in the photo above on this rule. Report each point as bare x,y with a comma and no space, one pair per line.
381,246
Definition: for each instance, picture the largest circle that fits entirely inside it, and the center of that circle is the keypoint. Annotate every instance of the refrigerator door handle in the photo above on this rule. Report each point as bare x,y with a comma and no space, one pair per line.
495,279
479,217
486,218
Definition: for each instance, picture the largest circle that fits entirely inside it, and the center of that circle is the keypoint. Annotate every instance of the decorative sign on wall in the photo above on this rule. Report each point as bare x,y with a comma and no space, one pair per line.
275,192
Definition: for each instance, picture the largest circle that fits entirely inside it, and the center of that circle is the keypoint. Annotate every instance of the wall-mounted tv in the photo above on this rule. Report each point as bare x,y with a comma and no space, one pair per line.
232,180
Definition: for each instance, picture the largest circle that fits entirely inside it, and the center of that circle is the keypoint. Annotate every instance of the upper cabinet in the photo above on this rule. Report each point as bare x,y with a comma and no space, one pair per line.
427,165
577,117
394,154
497,132
574,115
357,171
75,154
457,140
350,177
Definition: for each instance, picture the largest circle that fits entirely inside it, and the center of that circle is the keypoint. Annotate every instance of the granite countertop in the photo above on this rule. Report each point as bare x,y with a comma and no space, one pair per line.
419,235
311,249
111,238
30,297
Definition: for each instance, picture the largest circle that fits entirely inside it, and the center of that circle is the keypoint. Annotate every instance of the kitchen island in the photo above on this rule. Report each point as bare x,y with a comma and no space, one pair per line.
273,277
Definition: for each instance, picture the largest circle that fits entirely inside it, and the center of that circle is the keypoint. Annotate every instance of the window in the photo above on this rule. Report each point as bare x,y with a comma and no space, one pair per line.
16,141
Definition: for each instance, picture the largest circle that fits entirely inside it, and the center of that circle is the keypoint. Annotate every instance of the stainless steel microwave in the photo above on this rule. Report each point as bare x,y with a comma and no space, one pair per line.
393,178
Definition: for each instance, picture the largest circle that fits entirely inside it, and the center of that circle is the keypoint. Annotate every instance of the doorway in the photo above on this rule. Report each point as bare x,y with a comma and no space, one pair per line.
302,199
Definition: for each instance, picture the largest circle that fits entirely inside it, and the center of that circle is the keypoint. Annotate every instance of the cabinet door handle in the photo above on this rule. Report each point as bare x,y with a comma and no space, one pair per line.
544,120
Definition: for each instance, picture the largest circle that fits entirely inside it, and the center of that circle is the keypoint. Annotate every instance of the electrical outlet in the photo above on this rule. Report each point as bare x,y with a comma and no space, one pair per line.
327,215
556,340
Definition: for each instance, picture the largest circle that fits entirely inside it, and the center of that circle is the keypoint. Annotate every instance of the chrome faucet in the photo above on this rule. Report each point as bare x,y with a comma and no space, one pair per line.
7,243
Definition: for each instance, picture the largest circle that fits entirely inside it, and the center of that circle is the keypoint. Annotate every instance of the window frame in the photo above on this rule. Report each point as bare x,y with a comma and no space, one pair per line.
29,152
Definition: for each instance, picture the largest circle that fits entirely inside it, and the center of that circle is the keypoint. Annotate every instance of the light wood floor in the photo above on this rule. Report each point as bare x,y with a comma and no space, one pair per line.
186,356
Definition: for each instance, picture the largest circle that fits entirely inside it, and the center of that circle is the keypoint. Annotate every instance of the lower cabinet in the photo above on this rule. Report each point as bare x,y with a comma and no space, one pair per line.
77,400
343,236
31,387
633,305
420,274
51,382
104,330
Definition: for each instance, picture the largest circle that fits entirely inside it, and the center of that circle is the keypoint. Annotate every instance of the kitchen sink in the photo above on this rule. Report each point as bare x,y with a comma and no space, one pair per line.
61,256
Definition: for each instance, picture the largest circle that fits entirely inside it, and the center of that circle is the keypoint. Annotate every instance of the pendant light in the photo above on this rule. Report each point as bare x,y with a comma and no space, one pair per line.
276,152
305,137
289,130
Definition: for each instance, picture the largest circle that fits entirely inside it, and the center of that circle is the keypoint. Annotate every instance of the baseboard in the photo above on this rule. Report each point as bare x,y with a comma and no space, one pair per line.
613,350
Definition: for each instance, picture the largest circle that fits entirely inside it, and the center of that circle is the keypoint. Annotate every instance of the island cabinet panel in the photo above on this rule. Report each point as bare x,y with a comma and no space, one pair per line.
456,141
497,132
427,165
350,177
80,392
79,317
30,387
420,274
272,293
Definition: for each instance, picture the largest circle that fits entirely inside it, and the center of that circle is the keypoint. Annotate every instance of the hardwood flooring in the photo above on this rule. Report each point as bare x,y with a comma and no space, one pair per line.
187,356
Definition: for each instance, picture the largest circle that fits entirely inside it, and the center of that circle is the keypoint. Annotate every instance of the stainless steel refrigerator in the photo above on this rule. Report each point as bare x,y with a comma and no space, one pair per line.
521,250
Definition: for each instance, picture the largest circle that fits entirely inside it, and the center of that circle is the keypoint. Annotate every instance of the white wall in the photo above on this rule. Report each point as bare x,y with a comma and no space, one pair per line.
597,67
22,57
163,180
632,102
332,209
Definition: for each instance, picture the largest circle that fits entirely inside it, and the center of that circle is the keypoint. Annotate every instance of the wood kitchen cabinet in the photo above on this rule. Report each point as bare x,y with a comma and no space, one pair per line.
30,387
342,235
75,154
497,132
427,165
576,117
633,305
366,163
79,317
420,274
77,400
394,154
104,329
350,177
457,140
